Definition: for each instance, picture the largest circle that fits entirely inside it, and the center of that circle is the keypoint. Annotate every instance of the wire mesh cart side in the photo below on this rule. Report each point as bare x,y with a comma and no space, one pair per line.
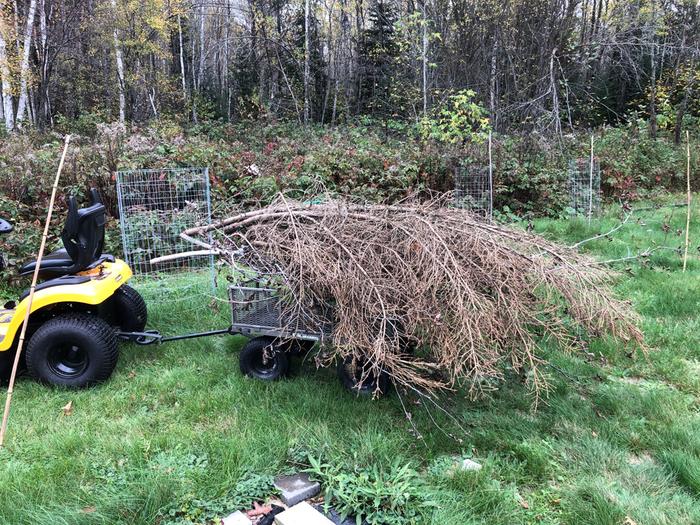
259,311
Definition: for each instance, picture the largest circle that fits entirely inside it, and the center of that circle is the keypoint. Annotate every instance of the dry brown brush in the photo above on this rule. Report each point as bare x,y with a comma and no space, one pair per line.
466,296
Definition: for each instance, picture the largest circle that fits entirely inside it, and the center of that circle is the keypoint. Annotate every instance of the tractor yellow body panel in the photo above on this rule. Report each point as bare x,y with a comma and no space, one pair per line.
104,281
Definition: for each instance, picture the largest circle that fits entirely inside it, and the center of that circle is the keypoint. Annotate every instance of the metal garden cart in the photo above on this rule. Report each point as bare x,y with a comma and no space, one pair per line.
276,334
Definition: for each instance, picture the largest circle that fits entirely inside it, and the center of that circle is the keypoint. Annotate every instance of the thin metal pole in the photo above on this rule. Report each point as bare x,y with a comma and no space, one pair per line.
212,270
687,219
490,180
27,312
590,185
122,222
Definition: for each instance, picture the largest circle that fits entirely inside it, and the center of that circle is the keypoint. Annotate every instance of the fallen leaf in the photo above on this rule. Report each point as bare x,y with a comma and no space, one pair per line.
88,510
629,521
594,434
258,510
68,409
524,504
132,374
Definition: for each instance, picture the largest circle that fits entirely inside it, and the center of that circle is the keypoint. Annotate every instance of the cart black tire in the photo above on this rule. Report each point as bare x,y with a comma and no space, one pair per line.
130,310
255,363
350,380
72,350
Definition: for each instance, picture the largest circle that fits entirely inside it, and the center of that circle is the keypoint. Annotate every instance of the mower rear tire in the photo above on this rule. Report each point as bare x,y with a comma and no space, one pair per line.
264,359
73,350
130,310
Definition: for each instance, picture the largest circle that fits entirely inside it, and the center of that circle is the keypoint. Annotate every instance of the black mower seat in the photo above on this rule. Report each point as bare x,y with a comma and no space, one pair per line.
83,239
53,261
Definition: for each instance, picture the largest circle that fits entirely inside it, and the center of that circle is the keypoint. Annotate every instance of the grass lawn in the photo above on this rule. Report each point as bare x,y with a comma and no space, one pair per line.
617,440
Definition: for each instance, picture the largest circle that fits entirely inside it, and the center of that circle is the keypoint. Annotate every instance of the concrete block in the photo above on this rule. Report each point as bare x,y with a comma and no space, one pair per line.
237,518
296,488
302,514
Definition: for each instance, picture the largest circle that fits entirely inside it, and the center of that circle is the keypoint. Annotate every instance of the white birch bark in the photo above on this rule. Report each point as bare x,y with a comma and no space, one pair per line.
6,91
200,73
424,52
120,68
307,60
182,58
24,65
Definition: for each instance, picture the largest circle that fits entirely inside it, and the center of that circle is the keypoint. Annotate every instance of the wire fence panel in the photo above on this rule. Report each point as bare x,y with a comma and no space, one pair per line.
155,206
584,187
473,190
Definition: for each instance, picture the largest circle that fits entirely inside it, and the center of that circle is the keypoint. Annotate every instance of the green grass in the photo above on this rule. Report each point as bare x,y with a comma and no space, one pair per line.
618,435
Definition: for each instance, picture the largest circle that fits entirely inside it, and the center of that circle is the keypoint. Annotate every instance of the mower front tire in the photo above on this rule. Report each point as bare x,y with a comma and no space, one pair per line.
72,350
263,358
130,311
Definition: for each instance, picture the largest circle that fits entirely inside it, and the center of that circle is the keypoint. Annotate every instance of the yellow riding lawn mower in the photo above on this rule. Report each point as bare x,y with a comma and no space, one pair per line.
79,308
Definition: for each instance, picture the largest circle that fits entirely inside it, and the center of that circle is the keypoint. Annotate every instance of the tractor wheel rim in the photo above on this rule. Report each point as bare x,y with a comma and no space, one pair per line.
68,360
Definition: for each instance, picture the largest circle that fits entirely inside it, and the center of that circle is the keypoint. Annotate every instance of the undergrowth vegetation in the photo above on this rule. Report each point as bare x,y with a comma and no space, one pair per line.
253,161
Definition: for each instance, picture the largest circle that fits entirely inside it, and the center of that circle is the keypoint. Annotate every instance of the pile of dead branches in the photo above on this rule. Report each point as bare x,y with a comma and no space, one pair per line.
433,295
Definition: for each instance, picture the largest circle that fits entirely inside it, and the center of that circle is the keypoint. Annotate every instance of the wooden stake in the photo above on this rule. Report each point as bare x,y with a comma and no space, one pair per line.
590,185
687,219
23,331
490,180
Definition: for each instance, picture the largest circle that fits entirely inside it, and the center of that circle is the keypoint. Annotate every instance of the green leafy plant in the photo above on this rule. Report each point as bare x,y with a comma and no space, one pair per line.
251,487
372,494
461,120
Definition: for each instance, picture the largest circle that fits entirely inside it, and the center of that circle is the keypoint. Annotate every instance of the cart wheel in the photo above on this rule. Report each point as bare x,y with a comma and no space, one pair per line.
74,350
130,311
262,358
350,374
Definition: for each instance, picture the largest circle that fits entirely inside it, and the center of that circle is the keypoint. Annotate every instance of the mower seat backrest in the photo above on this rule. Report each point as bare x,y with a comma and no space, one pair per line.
83,239
84,232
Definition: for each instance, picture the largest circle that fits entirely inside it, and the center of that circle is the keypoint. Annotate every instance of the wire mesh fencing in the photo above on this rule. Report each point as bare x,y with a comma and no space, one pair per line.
474,189
584,187
155,206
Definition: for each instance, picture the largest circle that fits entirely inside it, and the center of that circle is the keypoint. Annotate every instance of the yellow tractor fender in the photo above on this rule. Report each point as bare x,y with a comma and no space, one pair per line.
103,282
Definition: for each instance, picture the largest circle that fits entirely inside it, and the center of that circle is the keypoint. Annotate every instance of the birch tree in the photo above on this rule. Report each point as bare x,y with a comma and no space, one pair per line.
307,60
5,82
24,64
120,66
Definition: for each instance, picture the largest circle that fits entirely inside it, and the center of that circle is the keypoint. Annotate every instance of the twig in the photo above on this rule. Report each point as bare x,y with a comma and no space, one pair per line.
183,255
606,234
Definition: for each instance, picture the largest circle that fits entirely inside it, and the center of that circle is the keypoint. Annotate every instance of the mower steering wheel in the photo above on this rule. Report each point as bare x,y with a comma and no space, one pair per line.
5,227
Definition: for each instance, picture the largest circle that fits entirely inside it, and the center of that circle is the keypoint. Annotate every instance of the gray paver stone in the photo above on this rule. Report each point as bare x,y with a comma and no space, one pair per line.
296,488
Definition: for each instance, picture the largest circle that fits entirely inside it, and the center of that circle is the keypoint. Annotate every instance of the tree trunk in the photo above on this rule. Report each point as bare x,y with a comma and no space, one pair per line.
424,59
120,67
492,83
653,124
5,82
307,60
24,65
200,72
555,94
182,58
